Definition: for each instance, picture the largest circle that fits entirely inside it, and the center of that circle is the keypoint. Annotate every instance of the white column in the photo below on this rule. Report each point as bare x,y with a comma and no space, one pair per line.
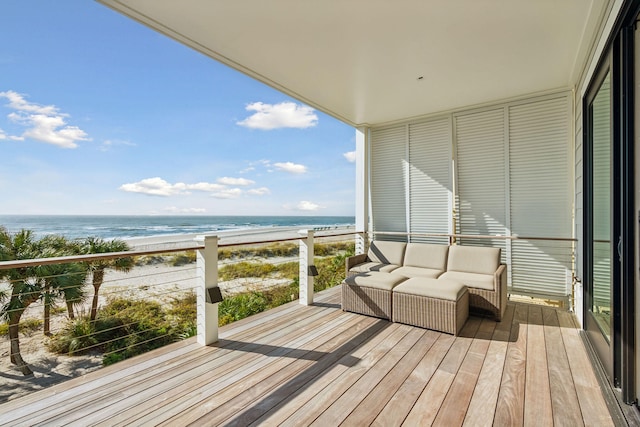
306,259
361,243
207,277
362,189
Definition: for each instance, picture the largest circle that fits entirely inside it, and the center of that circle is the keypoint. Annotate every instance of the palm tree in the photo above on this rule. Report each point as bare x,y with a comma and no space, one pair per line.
94,245
60,280
25,287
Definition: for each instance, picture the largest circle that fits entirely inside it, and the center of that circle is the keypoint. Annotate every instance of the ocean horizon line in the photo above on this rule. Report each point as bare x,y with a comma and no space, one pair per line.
135,226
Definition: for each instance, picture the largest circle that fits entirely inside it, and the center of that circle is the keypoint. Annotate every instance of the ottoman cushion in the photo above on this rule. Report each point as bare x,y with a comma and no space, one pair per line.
425,287
442,305
377,280
370,293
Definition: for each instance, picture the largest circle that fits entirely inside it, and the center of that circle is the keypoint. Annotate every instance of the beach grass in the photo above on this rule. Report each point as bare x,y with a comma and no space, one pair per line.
125,328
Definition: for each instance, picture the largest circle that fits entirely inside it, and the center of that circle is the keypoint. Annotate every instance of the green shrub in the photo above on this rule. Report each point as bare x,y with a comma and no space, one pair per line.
126,328
26,326
239,306
246,269
287,270
182,258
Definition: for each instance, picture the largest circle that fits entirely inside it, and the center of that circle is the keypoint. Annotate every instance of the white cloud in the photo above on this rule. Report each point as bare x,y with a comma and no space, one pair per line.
259,191
107,144
308,206
235,181
44,123
159,187
229,193
350,156
277,116
291,167
173,209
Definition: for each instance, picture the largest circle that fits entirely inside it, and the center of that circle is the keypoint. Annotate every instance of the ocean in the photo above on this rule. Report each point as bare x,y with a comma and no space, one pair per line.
126,227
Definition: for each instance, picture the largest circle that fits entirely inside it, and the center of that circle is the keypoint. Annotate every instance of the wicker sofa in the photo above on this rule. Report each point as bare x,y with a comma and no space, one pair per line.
478,268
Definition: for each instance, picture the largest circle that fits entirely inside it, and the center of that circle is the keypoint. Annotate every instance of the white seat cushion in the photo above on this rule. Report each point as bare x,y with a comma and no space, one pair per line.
375,280
373,266
472,280
417,272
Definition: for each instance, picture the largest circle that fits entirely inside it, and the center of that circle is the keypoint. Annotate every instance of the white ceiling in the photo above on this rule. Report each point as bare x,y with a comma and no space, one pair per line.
368,62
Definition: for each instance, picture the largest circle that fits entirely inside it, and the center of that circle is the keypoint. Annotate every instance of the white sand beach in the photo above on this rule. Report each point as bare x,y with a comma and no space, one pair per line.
232,237
159,281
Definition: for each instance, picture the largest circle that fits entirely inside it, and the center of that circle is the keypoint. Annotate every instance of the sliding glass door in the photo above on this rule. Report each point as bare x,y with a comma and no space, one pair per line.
599,232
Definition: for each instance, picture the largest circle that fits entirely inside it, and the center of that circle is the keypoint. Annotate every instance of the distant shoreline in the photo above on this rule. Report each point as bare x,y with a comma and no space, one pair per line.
253,235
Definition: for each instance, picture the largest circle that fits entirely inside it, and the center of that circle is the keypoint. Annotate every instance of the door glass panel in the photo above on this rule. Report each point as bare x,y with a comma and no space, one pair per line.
601,292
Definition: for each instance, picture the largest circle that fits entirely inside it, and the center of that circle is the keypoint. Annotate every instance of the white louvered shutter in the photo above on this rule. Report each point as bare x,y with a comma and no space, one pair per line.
430,179
541,195
481,191
388,180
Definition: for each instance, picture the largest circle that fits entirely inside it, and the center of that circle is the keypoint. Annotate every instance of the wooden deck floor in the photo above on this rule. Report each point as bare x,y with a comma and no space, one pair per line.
317,365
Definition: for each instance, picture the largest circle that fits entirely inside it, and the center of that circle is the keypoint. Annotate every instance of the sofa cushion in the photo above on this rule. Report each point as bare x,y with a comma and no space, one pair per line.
426,255
409,272
472,280
441,289
387,252
373,266
375,280
472,259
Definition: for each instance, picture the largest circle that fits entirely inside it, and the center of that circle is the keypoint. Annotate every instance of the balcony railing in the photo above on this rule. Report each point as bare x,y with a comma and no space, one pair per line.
152,285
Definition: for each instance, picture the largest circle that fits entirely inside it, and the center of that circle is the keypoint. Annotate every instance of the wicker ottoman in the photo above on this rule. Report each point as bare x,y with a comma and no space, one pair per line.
370,293
442,305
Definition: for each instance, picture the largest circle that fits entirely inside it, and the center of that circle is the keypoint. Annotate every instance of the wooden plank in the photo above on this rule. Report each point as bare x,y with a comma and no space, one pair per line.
345,404
303,365
428,404
566,409
293,404
280,375
144,390
592,404
308,412
454,407
396,410
367,411
130,365
510,407
223,372
537,403
483,403
303,381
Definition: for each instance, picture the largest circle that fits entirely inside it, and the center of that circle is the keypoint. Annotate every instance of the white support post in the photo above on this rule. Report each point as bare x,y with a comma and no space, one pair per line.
306,260
361,243
362,189
207,277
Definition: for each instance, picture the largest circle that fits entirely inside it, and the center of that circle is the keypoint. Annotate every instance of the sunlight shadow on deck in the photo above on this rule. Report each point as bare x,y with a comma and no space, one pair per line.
306,379
277,351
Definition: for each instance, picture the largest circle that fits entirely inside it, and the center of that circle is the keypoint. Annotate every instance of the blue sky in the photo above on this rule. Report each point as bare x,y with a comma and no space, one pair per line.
101,115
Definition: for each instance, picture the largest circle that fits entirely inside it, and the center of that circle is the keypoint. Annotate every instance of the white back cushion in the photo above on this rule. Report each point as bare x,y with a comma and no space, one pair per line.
426,255
387,252
471,259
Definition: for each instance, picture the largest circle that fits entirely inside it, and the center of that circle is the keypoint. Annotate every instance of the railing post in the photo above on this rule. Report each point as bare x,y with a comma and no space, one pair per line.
306,260
361,243
207,277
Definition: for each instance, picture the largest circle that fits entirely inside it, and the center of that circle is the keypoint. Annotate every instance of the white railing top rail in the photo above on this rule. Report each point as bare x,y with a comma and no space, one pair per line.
5,265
